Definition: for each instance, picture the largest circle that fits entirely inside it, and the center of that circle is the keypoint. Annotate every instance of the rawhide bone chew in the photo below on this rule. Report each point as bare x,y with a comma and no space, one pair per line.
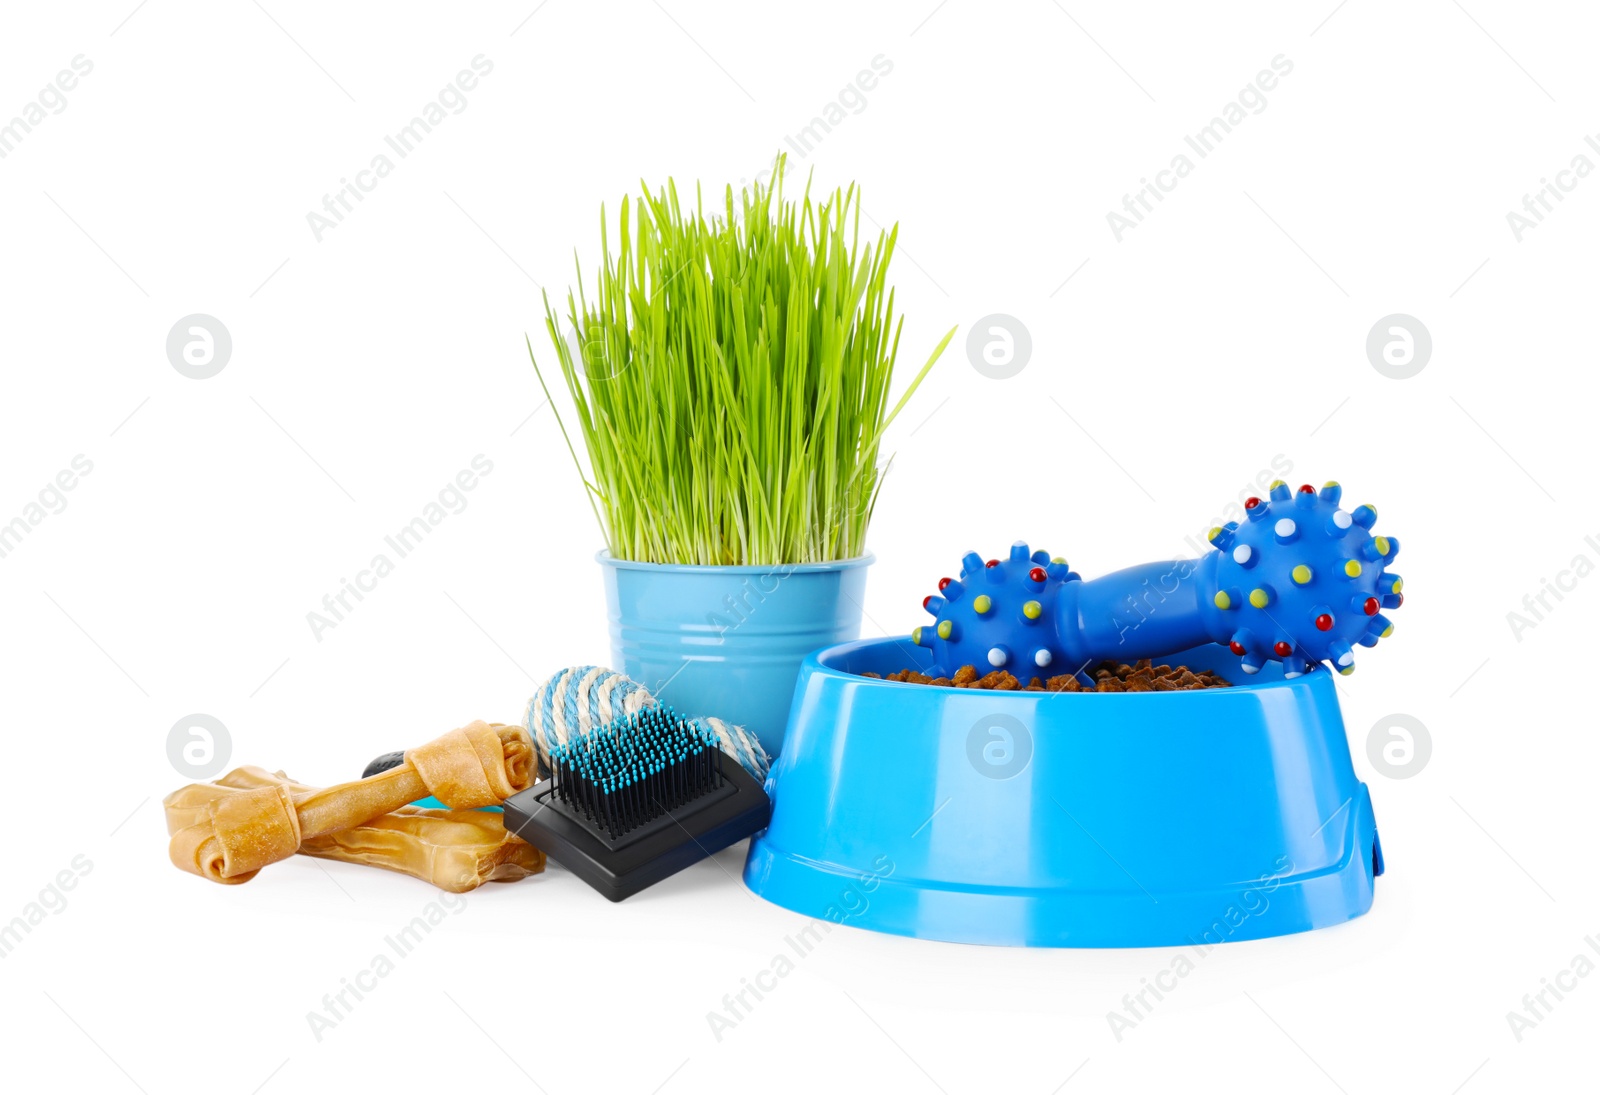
1301,581
239,832
455,850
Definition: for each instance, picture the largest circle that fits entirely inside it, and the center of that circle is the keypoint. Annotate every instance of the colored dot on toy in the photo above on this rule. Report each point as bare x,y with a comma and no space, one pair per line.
1037,574
1330,484
1352,568
1370,606
1396,587
1260,598
1342,519
1347,670
926,599
1276,483
916,635
1324,622
1382,544
1399,599
1284,527
1216,531
1062,559
944,583
945,628
992,563
1386,632
1251,502
1301,574
1281,648
1241,554
1032,610
1307,488
1222,600
1042,657
981,603
1237,647
998,656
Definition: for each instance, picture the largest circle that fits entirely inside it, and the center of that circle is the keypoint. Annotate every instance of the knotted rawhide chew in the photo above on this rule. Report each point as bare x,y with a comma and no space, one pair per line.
455,850
477,765
231,834
577,700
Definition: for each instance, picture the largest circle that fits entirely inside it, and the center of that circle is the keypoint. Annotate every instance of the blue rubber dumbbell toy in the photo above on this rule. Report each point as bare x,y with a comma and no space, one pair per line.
1301,581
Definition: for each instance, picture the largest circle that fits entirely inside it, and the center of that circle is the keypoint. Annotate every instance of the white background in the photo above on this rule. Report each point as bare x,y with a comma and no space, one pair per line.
372,366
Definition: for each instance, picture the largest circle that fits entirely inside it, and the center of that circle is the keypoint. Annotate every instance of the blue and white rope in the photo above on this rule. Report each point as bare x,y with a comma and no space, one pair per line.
585,697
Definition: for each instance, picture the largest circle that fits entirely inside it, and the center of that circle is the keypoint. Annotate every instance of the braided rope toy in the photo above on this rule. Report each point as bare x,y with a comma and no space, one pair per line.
587,697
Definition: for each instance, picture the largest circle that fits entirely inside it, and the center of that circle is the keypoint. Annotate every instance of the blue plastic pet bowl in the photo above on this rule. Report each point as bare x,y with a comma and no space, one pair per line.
1065,819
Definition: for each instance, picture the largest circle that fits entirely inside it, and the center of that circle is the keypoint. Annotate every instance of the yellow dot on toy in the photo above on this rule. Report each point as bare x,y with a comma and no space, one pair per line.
1330,484
1352,568
1222,600
1277,483
1382,544
945,628
1062,559
1386,632
981,603
1032,610
1347,670
1396,587
916,635
1259,598
1301,574
1214,533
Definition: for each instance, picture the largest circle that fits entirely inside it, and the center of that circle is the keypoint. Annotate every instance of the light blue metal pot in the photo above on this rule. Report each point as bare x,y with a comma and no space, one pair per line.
1050,819
728,641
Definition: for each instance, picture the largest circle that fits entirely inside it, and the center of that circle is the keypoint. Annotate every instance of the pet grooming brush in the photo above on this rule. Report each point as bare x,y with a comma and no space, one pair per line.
638,800
1301,581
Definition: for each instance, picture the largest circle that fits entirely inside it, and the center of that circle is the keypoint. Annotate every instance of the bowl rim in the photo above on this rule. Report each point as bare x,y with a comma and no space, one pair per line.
813,663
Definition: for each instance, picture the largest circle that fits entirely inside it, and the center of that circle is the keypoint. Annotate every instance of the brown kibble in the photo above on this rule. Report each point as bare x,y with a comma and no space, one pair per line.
874,676
1141,676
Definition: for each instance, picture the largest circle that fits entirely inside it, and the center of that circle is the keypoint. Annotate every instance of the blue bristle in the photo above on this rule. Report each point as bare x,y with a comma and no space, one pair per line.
636,768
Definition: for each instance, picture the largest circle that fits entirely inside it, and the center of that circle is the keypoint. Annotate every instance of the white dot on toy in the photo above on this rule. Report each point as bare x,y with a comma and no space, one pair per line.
1241,554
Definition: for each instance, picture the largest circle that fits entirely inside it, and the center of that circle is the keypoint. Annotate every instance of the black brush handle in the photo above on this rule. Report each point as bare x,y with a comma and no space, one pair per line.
384,763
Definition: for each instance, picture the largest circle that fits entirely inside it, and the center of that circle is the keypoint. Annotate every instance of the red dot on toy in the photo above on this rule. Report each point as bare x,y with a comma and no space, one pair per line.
1307,488
926,599
1251,503
1400,599
1237,648
992,563
1370,606
1281,649
1037,574
943,582
1324,622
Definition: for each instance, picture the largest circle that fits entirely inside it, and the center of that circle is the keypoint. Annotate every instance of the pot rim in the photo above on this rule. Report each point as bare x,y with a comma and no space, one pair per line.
603,557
